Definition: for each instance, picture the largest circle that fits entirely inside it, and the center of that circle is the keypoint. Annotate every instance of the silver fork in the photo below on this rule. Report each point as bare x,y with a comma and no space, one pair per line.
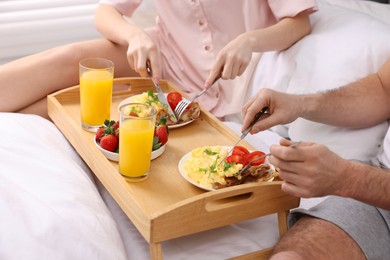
185,102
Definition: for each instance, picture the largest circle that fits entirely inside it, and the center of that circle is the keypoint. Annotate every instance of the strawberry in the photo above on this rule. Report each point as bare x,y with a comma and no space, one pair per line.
109,128
161,132
116,129
117,133
116,125
99,134
109,143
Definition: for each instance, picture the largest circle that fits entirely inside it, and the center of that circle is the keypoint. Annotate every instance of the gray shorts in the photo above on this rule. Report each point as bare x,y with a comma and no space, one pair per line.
367,225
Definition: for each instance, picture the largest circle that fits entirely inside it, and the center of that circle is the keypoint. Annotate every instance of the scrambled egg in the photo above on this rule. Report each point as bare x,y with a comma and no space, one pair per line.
140,111
202,166
149,98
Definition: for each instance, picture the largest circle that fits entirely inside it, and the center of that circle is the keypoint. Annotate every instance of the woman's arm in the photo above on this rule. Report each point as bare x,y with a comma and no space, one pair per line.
111,24
236,55
279,36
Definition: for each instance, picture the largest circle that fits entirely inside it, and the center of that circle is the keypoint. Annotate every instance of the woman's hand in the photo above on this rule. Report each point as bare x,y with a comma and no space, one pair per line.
309,169
232,60
141,48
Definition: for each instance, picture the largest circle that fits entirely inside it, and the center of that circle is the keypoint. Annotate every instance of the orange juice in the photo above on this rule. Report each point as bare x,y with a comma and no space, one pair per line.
96,80
135,147
95,96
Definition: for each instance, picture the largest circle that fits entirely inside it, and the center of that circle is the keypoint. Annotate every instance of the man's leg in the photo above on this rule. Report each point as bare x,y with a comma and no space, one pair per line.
313,238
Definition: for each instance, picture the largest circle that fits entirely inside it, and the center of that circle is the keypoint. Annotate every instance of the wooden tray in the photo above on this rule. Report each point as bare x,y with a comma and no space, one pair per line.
165,206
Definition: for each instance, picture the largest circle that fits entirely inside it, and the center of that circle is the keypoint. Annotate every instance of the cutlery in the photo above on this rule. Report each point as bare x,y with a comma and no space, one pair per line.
185,102
256,118
161,96
249,164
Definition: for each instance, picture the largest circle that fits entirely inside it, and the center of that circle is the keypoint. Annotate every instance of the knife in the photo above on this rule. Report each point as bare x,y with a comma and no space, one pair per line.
161,96
256,118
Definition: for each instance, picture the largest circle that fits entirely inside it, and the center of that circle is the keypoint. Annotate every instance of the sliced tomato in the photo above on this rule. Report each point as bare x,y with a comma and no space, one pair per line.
235,159
133,114
249,157
173,99
240,150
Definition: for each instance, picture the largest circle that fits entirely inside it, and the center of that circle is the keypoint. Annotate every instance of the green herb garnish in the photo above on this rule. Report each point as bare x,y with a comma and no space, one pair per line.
152,98
209,152
227,166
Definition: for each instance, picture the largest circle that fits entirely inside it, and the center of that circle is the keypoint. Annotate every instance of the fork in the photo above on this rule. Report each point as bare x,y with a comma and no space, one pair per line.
185,102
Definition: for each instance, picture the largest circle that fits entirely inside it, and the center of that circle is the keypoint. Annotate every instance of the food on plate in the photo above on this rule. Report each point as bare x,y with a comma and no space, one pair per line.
204,168
151,98
107,136
256,173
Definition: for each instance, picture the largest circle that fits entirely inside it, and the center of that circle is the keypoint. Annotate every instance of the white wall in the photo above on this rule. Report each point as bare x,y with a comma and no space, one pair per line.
29,26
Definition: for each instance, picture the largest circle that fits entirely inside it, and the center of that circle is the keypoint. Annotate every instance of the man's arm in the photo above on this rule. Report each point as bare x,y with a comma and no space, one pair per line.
367,184
312,170
363,103
360,104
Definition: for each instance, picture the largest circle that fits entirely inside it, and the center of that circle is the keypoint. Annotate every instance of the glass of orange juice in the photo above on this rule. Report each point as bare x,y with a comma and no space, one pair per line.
136,130
96,80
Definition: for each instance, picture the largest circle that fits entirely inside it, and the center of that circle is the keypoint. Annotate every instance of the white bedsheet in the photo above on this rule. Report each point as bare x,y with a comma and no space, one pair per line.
49,205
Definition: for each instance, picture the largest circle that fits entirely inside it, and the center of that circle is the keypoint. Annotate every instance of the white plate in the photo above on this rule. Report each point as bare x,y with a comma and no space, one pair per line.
127,100
184,174
115,156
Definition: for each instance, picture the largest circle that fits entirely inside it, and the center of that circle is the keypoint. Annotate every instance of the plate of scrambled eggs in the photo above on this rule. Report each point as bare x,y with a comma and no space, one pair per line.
152,99
201,167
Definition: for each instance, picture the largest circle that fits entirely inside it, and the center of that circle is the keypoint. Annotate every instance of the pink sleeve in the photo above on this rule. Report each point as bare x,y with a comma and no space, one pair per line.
290,8
125,7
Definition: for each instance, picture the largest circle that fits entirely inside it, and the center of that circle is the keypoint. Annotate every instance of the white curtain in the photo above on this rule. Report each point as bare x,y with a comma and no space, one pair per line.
29,26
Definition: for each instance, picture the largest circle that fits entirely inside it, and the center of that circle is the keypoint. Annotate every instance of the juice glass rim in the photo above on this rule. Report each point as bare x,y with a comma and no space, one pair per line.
102,64
152,113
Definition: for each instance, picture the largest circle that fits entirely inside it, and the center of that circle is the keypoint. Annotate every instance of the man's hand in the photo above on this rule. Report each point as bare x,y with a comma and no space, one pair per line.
309,169
284,108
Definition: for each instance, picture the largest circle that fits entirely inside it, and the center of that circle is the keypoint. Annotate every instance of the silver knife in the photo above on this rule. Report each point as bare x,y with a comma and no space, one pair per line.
161,96
256,118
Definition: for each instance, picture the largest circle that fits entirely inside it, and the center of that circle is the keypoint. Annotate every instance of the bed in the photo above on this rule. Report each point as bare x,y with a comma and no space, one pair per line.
52,207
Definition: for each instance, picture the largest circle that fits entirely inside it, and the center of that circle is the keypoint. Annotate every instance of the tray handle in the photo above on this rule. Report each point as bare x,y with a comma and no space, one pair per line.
223,207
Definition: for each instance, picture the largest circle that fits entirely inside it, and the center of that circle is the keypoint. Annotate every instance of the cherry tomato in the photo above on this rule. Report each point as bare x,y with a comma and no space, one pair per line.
240,150
235,159
249,157
173,99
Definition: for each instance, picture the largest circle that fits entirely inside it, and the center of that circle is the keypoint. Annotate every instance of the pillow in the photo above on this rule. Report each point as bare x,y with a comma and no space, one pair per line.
377,10
50,207
344,46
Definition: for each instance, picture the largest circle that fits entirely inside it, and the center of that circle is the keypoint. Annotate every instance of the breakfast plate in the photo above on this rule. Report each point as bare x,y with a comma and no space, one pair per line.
115,156
184,174
170,125
204,182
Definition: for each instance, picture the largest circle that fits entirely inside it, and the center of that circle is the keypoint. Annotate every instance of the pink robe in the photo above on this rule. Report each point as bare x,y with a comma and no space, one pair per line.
190,33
